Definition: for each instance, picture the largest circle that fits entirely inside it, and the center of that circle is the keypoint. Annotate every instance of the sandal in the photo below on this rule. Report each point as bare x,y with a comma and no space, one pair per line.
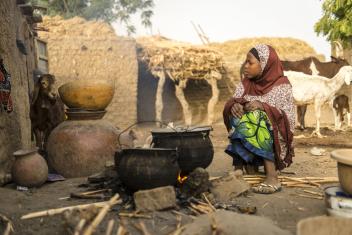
266,188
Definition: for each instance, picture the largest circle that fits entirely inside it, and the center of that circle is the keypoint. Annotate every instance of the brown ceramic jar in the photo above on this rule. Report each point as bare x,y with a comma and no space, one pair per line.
79,148
29,169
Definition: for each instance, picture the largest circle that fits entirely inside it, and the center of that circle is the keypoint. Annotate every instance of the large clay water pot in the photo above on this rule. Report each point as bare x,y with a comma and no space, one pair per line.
78,148
29,169
87,94
142,168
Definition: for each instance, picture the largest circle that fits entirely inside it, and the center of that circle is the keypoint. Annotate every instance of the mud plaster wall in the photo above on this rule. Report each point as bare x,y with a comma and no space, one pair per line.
15,126
83,58
197,93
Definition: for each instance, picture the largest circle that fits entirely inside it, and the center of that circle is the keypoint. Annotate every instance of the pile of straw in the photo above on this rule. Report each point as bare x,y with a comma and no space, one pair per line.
59,27
180,60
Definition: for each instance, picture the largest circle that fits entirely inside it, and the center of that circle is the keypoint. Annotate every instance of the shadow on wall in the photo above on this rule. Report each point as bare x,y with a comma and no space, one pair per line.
197,93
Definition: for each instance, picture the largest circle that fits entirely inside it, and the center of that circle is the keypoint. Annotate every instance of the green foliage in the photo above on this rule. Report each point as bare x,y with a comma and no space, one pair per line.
336,22
107,10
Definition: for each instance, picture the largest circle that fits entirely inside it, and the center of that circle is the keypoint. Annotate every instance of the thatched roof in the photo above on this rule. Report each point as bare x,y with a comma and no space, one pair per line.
59,27
180,60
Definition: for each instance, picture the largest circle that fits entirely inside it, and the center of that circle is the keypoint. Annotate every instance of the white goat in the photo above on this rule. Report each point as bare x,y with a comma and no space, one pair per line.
317,90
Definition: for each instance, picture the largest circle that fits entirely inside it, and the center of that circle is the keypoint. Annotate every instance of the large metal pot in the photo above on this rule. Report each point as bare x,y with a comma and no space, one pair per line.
194,146
141,168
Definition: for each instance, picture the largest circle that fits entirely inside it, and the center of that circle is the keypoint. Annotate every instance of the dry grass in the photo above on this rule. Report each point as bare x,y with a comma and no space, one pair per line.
180,60
75,27
234,51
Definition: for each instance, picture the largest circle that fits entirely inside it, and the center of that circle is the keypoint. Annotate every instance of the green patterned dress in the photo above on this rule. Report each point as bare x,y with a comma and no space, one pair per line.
251,138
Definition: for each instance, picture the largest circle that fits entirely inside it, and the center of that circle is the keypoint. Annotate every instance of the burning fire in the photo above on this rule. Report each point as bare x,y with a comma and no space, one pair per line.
181,178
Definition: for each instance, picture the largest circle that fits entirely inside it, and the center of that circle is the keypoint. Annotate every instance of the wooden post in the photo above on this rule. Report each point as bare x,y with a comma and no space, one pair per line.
214,98
181,97
159,105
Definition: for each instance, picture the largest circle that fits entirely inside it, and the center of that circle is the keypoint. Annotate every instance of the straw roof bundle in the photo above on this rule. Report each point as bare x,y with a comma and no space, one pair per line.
59,27
180,60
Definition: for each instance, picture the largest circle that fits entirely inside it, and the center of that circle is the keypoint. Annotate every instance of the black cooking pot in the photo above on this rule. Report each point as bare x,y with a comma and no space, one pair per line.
194,146
141,168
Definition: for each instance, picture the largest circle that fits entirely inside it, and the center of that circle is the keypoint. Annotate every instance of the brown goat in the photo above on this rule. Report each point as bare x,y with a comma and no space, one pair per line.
46,110
341,107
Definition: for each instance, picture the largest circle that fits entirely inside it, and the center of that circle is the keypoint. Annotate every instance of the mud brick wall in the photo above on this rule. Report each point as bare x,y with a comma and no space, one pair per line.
15,132
114,59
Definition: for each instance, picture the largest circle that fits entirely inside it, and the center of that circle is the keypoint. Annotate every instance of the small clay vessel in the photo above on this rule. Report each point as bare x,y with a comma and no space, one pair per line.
29,169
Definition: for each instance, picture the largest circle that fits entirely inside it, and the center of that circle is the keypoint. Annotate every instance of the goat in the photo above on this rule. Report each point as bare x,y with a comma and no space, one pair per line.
340,105
46,110
312,66
317,90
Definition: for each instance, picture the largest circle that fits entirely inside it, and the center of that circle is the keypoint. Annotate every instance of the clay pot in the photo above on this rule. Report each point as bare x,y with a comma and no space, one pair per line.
142,168
81,148
29,169
344,168
87,94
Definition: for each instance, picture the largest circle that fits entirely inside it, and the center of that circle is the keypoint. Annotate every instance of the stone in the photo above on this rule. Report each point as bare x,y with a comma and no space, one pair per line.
228,223
155,199
197,182
228,187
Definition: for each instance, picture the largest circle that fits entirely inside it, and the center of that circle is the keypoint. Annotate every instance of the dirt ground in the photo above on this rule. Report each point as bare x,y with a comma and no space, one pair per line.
285,208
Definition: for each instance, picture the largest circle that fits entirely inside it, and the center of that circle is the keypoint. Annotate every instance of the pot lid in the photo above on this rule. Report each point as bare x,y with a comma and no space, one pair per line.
183,129
342,156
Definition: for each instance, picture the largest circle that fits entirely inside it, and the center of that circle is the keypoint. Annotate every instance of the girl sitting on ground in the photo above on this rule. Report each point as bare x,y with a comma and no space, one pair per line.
260,118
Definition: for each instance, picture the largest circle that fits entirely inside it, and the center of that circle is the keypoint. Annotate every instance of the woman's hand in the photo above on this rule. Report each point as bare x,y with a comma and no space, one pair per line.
253,105
237,110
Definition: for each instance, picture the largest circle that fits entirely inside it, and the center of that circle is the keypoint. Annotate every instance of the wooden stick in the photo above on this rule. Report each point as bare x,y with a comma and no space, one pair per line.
110,227
95,191
207,200
121,230
86,196
303,181
9,226
79,227
91,228
314,193
134,215
51,212
141,227
180,213
193,210
309,196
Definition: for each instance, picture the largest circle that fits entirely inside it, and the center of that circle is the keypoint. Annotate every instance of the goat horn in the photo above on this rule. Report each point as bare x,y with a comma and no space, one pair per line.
338,49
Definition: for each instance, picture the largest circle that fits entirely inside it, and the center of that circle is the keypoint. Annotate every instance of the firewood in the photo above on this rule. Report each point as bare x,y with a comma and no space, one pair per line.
314,193
141,227
207,200
182,214
79,227
309,196
134,215
110,227
9,226
121,230
193,210
91,228
303,181
56,211
86,196
96,191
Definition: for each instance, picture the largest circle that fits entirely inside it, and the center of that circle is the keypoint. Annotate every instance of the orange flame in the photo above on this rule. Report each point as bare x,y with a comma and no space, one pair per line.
181,178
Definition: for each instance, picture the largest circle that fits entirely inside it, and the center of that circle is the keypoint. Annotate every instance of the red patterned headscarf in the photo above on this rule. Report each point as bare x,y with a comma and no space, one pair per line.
272,72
